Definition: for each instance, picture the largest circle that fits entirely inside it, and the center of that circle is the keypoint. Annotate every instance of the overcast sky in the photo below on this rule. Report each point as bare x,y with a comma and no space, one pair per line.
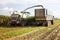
9,5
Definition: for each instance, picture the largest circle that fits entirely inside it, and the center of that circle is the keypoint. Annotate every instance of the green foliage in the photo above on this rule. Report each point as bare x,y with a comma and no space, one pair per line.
4,20
31,18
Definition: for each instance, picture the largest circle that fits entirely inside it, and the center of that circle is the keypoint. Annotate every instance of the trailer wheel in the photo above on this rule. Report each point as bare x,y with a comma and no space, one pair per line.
48,23
44,24
52,22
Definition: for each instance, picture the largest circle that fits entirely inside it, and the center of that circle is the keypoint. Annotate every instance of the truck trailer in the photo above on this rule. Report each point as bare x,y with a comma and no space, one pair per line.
42,17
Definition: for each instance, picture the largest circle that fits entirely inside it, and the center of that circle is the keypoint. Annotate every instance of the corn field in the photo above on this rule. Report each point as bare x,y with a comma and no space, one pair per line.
4,20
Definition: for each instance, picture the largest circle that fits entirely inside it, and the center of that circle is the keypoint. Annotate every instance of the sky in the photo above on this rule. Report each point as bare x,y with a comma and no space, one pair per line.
8,6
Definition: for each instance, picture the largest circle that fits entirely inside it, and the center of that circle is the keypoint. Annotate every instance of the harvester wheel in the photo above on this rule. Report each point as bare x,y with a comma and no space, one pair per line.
23,24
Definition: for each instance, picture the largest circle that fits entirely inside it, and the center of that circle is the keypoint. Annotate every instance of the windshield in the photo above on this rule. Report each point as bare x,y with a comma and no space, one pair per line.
13,18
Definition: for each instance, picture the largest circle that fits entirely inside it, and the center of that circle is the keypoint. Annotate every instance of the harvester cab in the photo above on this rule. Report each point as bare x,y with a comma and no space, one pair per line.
15,19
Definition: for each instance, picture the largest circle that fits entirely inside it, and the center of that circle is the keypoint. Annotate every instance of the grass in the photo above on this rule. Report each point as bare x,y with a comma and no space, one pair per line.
10,32
17,33
14,31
